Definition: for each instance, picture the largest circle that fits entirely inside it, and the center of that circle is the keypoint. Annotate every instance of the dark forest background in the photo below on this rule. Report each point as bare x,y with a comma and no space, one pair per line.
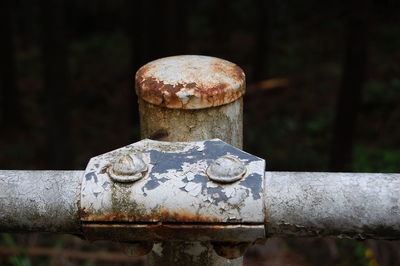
323,91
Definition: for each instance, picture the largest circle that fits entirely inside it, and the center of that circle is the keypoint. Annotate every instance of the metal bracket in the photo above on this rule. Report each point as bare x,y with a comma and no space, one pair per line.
172,196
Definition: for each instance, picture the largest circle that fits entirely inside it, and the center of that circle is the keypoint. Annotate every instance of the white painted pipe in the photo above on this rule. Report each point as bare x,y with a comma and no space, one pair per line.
354,205
297,204
40,201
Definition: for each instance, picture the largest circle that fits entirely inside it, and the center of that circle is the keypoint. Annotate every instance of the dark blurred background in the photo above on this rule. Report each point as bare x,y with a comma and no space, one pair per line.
323,94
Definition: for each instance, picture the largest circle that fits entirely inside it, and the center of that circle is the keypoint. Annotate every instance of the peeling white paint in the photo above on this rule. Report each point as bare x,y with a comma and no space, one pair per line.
184,189
40,201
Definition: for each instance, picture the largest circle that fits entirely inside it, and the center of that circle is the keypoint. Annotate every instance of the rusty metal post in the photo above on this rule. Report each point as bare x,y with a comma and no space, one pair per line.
190,98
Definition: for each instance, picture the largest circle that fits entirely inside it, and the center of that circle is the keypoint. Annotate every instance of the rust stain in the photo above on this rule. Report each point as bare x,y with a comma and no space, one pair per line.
157,216
185,217
191,85
153,232
104,169
82,213
159,134
237,73
167,231
196,82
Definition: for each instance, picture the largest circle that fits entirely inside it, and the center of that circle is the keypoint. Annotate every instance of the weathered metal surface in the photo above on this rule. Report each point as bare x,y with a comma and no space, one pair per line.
350,205
127,168
224,122
40,201
345,205
190,82
219,86
175,190
226,169
124,232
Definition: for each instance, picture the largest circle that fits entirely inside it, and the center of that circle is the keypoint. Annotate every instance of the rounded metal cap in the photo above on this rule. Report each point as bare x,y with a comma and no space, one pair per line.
190,82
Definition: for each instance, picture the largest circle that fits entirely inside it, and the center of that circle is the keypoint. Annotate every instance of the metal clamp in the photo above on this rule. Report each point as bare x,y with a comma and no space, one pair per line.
195,191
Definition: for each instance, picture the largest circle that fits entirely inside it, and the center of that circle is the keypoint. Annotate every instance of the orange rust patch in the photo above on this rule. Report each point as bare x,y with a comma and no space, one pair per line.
82,212
238,73
191,85
167,231
190,82
185,217
160,231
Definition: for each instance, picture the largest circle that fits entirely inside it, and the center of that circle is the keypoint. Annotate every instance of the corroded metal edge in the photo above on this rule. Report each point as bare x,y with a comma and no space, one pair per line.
190,82
175,232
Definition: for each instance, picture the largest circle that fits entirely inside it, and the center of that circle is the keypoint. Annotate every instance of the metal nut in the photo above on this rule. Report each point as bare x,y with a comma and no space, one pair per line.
226,169
127,168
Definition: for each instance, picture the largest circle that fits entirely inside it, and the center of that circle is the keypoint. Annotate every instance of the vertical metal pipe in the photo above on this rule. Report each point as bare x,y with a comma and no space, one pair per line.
222,122
190,98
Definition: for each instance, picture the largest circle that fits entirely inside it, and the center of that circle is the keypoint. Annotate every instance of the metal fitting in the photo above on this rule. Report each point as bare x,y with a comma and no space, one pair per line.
127,168
169,202
226,169
190,82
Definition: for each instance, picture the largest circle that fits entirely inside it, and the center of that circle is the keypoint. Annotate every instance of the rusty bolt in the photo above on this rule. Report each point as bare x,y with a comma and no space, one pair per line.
127,168
226,169
190,82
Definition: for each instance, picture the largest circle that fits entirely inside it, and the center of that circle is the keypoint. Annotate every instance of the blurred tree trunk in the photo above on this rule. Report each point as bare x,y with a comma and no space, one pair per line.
11,112
221,22
155,29
181,26
151,39
136,18
353,78
57,84
148,41
176,27
262,31
136,12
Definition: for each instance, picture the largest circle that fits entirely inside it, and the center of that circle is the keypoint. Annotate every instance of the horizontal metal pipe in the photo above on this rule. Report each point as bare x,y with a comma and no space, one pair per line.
353,205
297,204
40,201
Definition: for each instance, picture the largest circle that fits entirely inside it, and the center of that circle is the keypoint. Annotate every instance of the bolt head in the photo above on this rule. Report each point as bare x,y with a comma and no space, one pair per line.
226,169
127,168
